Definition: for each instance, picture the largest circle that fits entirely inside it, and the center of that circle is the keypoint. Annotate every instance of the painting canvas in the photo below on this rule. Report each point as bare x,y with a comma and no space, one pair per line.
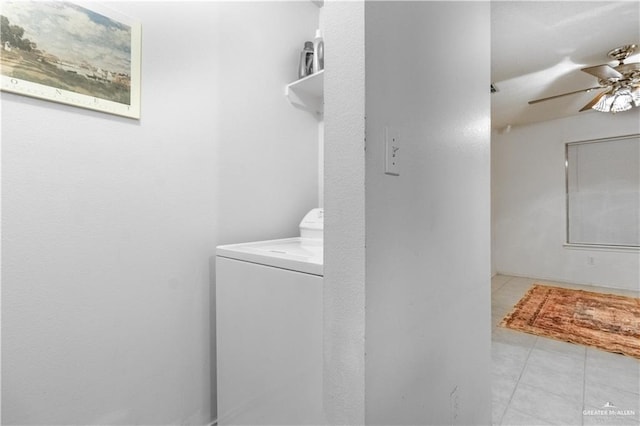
78,54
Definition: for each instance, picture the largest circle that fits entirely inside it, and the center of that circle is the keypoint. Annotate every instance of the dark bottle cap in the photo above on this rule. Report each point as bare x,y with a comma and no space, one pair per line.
308,45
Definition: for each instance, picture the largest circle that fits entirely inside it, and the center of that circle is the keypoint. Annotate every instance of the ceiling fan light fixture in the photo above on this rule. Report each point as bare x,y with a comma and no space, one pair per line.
622,100
635,94
604,104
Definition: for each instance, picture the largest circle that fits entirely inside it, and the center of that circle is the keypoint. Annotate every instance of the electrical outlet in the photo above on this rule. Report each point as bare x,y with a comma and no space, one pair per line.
392,152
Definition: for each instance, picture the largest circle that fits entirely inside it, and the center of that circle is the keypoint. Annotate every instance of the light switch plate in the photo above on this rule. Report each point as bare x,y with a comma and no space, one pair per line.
392,152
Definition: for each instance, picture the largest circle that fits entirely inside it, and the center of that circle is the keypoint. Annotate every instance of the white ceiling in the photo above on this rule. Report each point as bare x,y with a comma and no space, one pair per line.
538,49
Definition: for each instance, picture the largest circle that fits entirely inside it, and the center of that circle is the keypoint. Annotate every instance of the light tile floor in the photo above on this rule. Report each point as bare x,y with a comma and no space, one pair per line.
541,381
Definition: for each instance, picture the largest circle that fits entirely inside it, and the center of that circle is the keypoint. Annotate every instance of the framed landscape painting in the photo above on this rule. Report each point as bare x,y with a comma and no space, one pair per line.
78,54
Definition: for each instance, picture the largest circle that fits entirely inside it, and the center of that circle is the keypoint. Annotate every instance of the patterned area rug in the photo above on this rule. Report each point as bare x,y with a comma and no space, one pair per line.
606,321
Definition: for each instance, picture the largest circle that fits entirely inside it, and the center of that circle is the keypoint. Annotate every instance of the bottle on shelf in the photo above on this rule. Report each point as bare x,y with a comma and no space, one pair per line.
305,67
318,52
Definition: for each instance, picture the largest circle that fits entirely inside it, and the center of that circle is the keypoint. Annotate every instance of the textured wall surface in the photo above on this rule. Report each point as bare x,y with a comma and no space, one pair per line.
428,240
344,213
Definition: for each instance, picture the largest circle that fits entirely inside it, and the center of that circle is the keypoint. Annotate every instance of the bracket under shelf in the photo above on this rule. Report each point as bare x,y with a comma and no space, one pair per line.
308,92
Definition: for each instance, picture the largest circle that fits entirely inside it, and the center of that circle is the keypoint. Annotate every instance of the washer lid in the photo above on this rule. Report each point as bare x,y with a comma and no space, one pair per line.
296,254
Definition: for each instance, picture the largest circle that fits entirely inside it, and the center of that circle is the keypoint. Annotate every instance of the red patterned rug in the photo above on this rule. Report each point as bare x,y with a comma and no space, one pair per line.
606,321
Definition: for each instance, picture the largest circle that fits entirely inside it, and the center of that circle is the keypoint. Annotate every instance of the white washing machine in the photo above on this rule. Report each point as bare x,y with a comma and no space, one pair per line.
269,329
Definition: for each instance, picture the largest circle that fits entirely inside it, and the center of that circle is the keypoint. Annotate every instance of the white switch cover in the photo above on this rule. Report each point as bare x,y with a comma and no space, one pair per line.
392,152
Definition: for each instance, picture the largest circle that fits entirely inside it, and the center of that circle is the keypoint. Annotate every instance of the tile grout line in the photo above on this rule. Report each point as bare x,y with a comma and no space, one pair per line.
546,422
521,371
613,386
501,286
546,390
584,385
518,380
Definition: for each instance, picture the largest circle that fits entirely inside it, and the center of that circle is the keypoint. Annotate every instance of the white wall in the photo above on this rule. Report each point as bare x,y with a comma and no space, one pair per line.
268,150
108,223
529,204
343,298
427,230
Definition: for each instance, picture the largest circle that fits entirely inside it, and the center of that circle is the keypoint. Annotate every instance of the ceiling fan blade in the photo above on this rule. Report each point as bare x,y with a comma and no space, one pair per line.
603,72
628,68
594,101
564,94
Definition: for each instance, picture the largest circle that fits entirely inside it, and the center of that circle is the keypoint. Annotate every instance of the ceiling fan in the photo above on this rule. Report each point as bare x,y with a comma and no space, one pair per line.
621,84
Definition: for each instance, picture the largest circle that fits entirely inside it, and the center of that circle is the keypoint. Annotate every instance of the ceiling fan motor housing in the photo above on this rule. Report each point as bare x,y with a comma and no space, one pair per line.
622,53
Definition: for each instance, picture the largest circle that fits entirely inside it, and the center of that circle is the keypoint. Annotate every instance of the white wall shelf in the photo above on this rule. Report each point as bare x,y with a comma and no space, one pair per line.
307,93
